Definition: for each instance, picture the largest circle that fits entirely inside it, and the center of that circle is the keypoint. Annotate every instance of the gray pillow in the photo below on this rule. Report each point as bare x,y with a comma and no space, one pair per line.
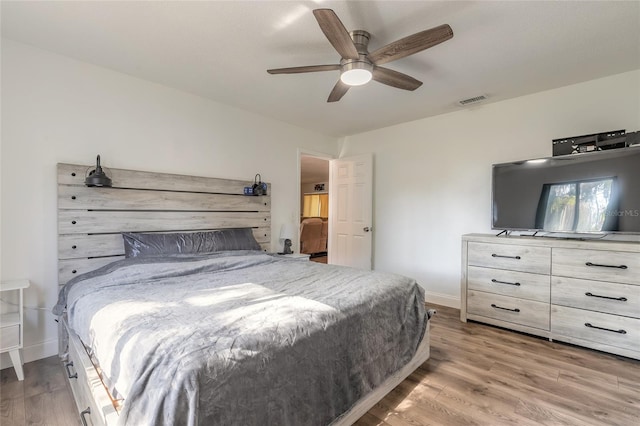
162,244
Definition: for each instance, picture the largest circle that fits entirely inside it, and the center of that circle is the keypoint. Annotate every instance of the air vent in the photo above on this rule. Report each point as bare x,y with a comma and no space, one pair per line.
472,100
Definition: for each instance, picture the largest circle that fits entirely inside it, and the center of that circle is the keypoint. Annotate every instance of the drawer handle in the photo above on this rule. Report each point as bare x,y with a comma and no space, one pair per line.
70,364
506,257
622,299
504,309
82,413
621,331
504,282
606,266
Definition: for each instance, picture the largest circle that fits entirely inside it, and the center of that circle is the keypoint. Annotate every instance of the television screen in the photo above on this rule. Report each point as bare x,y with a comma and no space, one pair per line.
584,193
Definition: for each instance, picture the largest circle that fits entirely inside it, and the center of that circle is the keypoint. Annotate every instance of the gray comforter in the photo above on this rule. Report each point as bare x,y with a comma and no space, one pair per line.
242,338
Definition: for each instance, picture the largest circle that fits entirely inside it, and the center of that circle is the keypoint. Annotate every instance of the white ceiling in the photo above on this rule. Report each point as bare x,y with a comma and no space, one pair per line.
313,169
221,50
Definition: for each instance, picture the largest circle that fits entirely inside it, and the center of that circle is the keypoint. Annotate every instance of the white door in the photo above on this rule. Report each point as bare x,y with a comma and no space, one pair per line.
350,211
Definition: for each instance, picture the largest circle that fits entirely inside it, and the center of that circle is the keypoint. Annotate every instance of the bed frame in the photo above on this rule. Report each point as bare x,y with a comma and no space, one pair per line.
90,223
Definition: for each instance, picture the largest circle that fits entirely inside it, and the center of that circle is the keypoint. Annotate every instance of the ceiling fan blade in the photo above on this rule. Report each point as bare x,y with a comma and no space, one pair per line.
336,33
411,44
395,79
338,91
310,68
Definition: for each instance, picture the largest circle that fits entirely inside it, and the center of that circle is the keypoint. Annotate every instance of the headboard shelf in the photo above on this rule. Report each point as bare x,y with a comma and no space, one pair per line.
91,220
73,174
83,197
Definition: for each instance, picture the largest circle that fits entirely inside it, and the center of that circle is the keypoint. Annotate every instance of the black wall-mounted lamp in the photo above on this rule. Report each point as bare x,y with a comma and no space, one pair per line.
97,177
259,188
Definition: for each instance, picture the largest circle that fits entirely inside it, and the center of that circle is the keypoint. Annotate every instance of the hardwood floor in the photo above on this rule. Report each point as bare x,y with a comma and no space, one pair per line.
477,375
42,398
483,375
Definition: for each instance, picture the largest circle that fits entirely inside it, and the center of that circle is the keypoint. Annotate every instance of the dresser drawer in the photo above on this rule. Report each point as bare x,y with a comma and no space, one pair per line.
510,309
612,298
512,257
596,327
509,283
79,391
89,391
614,266
9,336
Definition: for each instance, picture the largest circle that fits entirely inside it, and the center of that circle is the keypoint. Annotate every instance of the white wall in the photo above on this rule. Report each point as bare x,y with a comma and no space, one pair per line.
433,176
55,109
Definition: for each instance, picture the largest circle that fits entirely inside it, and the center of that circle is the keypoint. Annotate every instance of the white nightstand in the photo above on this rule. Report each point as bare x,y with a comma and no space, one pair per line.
295,256
11,323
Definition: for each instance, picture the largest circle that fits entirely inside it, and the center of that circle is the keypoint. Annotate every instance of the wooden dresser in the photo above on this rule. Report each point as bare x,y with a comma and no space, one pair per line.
581,292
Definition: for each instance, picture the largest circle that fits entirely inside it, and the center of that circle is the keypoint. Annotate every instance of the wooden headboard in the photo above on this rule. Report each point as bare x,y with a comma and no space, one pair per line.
91,219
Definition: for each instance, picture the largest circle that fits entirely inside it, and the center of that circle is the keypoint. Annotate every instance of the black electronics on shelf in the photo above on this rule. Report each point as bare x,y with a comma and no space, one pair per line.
258,187
594,142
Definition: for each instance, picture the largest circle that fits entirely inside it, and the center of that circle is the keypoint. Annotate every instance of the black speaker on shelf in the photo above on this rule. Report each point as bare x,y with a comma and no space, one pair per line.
633,138
587,143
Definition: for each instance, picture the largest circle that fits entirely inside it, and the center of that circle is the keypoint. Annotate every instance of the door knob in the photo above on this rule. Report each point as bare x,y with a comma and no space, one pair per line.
366,229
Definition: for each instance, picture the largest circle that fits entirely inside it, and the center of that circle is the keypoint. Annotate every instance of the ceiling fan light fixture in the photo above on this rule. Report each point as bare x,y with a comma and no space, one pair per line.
357,64
356,73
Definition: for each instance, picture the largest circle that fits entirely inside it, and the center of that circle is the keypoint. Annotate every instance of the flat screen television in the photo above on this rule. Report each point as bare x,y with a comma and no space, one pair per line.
596,192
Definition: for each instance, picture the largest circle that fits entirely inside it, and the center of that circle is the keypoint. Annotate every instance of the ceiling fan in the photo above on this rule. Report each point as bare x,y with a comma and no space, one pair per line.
358,66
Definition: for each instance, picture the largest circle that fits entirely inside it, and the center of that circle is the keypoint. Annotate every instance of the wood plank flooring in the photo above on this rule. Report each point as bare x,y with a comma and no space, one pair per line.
42,398
477,375
483,375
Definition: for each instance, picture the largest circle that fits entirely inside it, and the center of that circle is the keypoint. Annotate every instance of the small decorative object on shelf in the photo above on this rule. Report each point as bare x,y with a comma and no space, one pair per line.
97,176
258,187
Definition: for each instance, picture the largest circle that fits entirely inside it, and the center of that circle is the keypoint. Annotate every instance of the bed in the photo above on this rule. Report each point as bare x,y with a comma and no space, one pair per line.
218,336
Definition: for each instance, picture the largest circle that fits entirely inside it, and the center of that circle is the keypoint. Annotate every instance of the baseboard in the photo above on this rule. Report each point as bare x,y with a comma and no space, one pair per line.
442,299
32,353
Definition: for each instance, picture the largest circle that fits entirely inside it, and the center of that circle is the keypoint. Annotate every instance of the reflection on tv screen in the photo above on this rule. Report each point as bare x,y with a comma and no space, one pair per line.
594,192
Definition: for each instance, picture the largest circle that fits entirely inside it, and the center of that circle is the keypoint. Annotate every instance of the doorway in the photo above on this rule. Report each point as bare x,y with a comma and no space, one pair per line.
314,206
